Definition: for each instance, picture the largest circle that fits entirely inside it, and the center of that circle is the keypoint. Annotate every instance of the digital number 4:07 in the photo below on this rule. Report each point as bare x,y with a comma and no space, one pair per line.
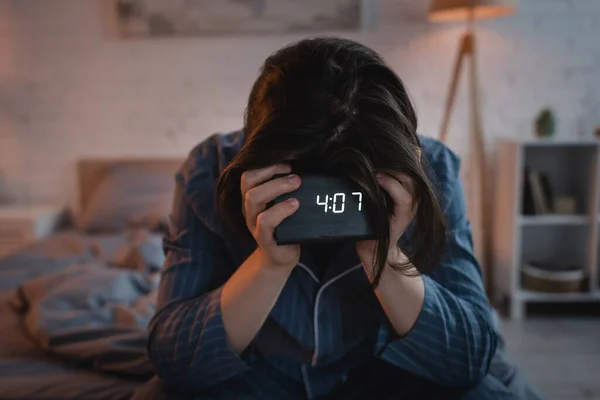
339,202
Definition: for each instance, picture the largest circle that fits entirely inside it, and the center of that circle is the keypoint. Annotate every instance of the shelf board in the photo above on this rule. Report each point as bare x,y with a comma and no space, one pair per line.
554,219
553,142
541,297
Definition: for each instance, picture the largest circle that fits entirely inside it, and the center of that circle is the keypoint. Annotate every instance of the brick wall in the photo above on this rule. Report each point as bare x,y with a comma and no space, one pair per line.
69,89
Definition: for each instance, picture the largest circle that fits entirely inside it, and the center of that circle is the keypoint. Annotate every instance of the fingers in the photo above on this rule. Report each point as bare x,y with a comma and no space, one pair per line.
256,198
267,221
255,177
400,188
405,181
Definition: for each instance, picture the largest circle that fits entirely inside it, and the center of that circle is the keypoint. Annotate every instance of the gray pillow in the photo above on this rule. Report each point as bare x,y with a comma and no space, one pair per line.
128,197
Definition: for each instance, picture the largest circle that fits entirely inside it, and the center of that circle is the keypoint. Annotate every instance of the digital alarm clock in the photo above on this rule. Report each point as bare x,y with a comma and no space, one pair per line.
331,208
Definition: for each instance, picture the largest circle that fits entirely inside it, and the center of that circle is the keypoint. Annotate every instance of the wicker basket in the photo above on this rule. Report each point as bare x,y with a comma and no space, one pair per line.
558,281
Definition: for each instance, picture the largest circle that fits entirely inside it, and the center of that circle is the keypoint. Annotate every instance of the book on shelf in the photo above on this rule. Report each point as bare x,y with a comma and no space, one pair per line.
538,196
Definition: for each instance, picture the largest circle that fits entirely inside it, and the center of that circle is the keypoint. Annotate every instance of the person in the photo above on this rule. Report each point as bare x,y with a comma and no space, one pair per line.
404,316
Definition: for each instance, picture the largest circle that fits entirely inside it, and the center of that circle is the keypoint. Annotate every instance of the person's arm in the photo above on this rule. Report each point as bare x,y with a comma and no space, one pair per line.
248,297
250,294
206,319
440,325
188,343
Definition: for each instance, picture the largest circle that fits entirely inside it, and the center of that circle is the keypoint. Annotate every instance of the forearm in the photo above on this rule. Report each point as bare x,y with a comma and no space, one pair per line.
188,344
198,342
451,342
248,297
401,298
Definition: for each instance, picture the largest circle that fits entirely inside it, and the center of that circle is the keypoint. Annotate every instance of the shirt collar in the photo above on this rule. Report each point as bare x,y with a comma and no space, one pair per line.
344,259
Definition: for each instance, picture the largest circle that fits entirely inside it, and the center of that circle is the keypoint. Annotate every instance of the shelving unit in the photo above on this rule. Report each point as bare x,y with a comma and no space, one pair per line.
572,168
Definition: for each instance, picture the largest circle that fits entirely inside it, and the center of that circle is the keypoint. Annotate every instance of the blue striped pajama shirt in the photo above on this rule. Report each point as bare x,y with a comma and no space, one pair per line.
321,327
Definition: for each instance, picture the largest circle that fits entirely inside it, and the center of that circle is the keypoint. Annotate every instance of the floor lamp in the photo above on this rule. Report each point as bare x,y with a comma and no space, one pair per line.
469,11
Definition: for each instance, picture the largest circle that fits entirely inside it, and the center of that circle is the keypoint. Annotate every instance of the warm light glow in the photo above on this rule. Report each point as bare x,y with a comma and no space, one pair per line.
458,10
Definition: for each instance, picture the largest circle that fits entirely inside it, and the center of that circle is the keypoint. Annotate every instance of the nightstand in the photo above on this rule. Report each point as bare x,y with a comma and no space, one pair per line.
21,225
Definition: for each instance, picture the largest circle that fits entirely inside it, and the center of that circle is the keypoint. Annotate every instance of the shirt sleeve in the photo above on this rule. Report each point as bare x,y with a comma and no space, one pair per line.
452,342
187,341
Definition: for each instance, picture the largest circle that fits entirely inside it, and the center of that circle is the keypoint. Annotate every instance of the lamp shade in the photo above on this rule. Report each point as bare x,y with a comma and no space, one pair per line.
459,10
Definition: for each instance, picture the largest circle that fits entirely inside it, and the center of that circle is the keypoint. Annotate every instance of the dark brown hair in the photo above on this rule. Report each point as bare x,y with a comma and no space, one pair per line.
333,106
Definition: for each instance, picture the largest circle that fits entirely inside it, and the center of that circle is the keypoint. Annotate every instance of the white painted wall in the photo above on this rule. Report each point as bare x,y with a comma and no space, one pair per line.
69,89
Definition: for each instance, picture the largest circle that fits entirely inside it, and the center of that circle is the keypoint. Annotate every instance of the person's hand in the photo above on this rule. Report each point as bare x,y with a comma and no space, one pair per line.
258,189
401,190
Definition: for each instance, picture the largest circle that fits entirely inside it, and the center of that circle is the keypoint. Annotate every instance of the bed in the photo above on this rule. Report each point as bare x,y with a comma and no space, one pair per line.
74,308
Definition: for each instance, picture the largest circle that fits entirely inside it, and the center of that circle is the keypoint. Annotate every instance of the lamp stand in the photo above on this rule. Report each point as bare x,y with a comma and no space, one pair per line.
481,218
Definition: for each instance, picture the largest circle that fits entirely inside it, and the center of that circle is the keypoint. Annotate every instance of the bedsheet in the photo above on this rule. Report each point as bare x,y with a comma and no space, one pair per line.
73,316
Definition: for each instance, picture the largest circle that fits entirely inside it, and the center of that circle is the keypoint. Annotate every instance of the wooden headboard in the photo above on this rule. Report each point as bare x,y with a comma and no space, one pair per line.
90,172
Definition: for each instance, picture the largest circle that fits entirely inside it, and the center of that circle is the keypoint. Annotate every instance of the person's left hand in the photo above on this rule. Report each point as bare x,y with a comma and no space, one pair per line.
401,189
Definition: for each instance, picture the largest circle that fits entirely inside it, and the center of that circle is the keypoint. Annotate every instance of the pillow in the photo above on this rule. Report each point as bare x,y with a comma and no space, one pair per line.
129,197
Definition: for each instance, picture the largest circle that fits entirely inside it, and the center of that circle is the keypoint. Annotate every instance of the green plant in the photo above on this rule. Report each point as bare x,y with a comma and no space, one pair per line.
545,123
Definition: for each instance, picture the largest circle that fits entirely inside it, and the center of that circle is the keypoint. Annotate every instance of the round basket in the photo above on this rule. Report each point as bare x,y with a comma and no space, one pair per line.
544,279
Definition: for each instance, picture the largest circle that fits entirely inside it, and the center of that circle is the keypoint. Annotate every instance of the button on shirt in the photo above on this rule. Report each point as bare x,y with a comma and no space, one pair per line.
324,322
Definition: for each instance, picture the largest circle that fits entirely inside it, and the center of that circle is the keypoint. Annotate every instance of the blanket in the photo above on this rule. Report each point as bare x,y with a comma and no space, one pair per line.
91,301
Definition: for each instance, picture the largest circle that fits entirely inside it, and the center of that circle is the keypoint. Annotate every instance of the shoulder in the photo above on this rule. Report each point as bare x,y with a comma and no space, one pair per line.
444,165
210,157
197,175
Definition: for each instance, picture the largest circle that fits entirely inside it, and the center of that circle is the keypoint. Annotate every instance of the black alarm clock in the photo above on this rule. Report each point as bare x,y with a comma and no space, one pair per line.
331,208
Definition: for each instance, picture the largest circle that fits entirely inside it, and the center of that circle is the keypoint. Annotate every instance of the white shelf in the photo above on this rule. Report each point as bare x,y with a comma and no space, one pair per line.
554,219
542,297
572,168
552,142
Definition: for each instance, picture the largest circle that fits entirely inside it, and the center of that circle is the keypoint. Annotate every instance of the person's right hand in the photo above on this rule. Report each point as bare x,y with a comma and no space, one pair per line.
258,189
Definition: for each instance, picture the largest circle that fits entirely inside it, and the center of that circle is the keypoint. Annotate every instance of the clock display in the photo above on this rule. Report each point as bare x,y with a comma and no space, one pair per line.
338,205
331,208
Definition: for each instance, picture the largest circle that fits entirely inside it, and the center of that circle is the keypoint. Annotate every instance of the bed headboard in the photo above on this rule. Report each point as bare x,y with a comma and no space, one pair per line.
90,172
